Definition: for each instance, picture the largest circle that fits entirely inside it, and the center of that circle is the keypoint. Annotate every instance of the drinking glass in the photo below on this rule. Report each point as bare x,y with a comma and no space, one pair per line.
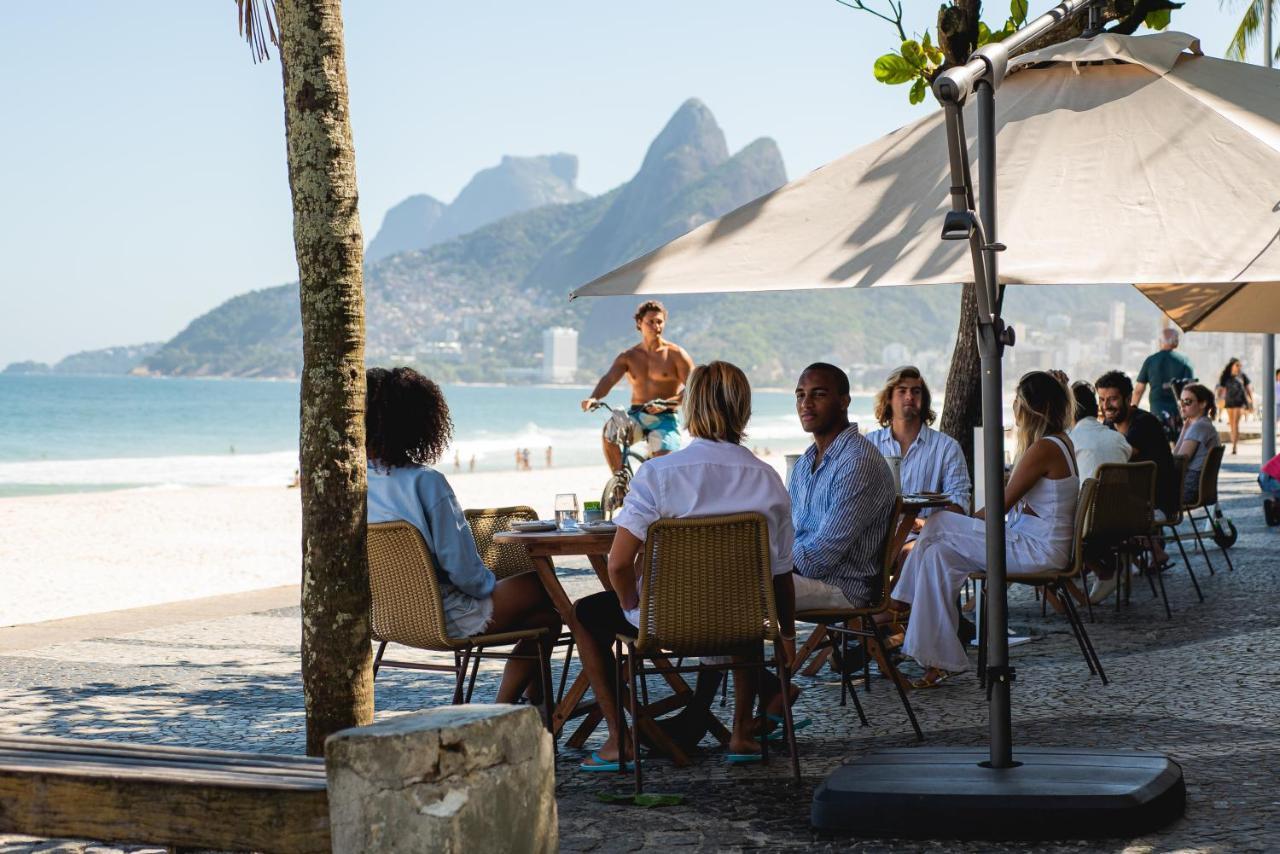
567,511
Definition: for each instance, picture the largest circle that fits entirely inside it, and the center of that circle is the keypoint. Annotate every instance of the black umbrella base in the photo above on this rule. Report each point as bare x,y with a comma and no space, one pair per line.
1053,793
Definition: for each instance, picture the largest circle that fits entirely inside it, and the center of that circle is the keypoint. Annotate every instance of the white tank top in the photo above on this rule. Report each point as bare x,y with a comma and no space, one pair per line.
1055,501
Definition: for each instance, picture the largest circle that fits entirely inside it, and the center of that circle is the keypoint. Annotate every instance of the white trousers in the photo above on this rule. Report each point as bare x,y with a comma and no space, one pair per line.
950,547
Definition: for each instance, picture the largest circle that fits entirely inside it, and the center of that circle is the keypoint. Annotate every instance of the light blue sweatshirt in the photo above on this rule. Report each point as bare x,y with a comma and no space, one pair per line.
421,496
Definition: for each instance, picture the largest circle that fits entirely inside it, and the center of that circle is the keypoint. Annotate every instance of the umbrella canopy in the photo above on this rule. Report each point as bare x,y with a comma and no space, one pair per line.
1229,307
1122,160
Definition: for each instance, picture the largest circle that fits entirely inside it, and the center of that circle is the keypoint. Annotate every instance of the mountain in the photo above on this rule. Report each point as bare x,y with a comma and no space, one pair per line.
514,185
107,361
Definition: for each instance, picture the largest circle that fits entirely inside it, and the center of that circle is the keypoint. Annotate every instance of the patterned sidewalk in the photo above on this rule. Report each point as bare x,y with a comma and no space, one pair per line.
1201,687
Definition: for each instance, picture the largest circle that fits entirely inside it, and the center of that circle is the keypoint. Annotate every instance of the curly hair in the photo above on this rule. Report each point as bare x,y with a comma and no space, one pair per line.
406,418
884,399
1117,380
648,306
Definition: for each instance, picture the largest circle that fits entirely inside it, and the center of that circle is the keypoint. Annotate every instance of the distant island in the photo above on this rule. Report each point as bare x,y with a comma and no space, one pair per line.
107,361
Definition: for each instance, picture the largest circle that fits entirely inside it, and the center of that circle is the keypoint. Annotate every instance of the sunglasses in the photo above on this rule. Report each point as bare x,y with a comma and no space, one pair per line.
1187,401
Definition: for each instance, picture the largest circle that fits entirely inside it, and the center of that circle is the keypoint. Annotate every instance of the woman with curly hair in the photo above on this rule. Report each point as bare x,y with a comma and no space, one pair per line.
407,428
1040,508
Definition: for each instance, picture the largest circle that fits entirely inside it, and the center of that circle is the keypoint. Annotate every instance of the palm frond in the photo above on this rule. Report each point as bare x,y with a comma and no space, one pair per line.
257,20
1248,30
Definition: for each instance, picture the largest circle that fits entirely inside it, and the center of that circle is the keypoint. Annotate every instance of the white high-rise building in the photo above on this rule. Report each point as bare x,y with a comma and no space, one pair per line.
559,354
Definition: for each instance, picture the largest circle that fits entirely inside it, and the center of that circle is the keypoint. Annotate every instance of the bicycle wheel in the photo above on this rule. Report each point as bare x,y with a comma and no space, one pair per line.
615,491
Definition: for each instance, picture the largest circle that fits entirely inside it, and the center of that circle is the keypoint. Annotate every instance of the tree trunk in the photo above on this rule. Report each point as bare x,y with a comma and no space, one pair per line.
962,410
337,673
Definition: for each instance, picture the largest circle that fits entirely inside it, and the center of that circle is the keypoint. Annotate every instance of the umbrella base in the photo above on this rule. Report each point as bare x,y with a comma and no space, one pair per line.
1054,793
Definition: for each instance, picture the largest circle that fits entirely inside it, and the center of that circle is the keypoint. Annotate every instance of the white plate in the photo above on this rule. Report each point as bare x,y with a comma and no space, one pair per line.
597,527
533,527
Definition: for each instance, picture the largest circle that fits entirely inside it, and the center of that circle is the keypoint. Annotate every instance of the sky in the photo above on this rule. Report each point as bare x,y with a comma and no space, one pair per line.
142,159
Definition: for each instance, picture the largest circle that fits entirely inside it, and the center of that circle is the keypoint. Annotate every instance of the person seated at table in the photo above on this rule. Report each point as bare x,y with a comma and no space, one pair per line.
1040,503
929,461
1269,483
1198,436
715,475
407,428
1096,443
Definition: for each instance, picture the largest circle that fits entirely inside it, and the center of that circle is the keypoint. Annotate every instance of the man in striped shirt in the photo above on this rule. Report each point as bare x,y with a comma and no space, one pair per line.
842,493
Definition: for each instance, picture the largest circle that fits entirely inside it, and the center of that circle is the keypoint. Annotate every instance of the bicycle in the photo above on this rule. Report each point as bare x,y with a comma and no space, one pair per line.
620,430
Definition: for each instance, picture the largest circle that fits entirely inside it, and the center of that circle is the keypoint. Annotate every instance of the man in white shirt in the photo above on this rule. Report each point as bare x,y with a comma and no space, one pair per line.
1095,442
929,461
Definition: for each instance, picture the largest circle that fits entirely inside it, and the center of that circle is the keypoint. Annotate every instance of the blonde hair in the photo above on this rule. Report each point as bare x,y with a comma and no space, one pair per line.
884,408
1039,409
717,402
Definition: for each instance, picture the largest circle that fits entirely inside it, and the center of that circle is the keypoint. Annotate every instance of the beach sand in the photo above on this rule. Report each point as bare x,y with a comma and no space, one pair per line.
85,553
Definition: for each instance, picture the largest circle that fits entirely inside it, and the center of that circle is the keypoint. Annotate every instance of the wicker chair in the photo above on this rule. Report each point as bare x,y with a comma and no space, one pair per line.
1057,580
508,559
706,590
1123,519
1206,496
845,623
408,610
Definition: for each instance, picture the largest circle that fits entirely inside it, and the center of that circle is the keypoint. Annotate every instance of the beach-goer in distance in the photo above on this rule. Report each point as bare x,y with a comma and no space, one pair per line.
690,482
1040,504
457,461
1159,371
471,464
657,370
1096,443
524,460
930,461
407,428
1237,396
548,456
1198,436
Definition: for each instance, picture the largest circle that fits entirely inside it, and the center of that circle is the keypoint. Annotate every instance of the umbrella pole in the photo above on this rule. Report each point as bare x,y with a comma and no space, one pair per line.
1268,413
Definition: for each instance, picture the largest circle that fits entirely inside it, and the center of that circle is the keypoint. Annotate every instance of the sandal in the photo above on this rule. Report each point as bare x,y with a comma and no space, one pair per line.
597,763
777,733
933,678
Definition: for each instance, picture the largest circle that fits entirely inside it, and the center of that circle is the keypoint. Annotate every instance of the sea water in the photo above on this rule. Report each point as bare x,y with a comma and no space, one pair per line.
63,433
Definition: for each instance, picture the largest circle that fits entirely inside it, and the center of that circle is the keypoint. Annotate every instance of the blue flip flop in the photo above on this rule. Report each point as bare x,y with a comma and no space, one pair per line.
599,763
743,758
778,734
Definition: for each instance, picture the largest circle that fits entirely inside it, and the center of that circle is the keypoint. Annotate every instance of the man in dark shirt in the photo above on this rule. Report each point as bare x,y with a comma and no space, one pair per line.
1159,369
1144,434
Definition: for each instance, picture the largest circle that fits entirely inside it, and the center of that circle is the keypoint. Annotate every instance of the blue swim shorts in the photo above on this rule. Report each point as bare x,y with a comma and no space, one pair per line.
661,431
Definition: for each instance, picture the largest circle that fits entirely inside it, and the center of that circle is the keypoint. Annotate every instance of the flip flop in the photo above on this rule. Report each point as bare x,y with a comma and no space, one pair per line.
778,734
599,763
925,682
743,758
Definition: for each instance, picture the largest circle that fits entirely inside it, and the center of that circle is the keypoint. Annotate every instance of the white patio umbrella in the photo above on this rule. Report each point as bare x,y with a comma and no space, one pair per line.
1122,160
1151,164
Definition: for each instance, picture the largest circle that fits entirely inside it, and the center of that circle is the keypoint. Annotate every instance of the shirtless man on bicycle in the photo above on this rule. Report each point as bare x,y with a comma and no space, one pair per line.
657,370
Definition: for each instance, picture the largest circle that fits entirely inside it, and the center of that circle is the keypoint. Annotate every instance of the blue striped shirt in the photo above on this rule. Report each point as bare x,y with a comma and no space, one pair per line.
840,512
934,462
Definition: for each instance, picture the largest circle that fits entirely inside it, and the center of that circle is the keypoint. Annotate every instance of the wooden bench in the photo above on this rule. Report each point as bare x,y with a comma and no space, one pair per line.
59,787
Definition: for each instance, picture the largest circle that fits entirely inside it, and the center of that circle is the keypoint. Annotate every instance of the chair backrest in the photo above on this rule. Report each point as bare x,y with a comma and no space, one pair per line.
888,556
1085,515
1125,501
1181,462
707,586
507,559
1209,477
407,608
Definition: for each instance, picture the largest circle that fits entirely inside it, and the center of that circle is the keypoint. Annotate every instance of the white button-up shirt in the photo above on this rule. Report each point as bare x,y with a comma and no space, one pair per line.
1096,443
934,462
709,479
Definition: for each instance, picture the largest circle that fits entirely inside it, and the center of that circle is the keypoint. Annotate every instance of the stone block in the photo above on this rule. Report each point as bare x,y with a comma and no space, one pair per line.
452,779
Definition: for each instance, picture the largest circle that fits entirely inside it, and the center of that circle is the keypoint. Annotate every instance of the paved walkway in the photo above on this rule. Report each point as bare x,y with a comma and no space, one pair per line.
1201,687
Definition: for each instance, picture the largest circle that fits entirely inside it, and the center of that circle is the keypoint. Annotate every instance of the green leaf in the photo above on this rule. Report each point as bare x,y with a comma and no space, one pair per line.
984,33
926,43
1018,12
913,54
917,90
1157,20
893,69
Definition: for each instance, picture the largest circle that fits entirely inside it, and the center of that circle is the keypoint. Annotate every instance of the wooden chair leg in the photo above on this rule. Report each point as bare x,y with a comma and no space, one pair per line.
637,677
788,723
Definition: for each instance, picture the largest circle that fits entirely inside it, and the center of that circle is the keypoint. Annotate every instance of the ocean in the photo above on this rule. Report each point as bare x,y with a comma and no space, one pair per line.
62,434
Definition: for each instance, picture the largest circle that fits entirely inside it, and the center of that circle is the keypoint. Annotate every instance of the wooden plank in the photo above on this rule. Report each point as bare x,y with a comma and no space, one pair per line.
132,749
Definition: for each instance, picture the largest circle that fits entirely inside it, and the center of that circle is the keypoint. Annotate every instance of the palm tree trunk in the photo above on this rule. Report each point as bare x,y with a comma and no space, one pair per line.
336,657
962,410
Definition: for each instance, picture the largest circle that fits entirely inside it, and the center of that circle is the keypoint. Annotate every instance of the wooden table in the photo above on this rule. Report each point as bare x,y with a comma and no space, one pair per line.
912,506
542,548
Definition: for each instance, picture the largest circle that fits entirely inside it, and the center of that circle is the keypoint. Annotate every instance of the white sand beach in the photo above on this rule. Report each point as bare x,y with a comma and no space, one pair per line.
85,553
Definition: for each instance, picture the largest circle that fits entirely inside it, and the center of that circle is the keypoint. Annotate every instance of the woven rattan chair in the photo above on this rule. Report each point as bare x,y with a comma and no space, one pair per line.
1206,496
508,559
706,590
408,610
842,624
1057,580
1123,520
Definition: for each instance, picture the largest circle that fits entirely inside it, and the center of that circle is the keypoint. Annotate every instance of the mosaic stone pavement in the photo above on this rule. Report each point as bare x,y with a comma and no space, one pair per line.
1201,687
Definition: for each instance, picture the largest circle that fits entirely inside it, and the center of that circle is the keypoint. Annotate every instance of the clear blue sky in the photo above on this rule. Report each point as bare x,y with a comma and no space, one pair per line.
143,152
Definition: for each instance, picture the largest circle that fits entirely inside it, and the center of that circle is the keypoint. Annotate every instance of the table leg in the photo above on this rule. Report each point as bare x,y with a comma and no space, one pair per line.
568,707
813,642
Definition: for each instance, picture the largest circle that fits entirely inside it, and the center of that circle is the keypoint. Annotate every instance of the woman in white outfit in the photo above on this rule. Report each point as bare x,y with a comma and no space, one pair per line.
1040,509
